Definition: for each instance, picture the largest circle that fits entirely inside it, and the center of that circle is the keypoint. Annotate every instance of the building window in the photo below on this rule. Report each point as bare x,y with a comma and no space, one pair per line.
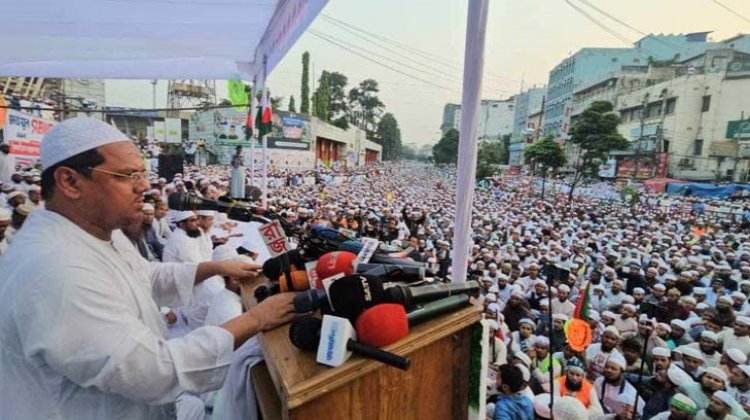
670,107
706,103
698,148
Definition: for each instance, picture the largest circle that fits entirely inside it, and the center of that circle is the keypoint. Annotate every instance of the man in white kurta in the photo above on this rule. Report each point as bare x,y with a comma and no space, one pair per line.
181,247
82,336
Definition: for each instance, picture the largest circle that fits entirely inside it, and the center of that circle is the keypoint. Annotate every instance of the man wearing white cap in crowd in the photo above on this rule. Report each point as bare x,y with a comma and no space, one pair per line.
739,385
617,293
542,363
708,345
692,361
712,380
574,384
719,408
206,224
561,304
88,326
4,223
597,354
626,322
7,163
612,388
681,407
679,335
737,337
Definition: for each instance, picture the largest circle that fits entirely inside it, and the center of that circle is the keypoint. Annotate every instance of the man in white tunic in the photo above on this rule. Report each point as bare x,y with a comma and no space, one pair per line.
81,332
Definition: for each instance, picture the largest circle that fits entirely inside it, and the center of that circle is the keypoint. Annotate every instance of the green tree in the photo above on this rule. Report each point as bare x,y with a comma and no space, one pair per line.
446,150
322,98
292,107
338,100
390,137
545,155
276,102
595,134
305,94
365,106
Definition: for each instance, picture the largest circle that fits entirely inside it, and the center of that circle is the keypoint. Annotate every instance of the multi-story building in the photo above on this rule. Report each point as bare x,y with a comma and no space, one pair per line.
495,118
528,103
590,66
688,125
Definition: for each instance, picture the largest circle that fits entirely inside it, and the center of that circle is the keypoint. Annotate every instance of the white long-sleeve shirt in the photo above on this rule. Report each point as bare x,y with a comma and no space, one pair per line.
81,332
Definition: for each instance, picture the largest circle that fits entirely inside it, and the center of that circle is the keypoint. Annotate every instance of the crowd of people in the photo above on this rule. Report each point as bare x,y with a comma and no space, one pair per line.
664,287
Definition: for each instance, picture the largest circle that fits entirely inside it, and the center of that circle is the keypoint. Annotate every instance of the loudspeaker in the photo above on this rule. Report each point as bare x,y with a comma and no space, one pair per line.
170,164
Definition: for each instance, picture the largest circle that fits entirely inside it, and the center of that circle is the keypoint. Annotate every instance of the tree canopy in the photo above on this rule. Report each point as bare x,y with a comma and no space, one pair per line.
390,137
305,94
446,150
546,154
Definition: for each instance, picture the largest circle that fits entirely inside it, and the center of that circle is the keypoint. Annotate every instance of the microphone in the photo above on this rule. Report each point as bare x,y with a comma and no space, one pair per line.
310,301
387,323
334,339
380,258
333,263
289,270
411,296
392,272
347,296
235,210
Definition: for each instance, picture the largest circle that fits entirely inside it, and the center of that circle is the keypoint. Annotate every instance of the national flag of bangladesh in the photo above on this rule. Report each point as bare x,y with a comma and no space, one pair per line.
263,120
583,306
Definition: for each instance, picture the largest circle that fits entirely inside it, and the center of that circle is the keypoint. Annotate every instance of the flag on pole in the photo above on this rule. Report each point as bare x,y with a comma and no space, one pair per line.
249,122
583,306
263,119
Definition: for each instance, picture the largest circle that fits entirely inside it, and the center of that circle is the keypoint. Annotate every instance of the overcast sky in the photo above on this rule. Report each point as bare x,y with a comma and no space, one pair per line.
525,39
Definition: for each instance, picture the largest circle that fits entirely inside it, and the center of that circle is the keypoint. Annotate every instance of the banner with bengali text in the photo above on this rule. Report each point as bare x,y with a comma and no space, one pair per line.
23,133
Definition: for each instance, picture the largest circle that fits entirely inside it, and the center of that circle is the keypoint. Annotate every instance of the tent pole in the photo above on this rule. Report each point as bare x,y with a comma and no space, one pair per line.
476,26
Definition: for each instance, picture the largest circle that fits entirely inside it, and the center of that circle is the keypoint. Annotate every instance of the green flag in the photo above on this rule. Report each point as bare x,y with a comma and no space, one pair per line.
237,94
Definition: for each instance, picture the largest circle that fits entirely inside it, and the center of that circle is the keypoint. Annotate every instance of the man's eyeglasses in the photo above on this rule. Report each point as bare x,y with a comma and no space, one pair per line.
135,177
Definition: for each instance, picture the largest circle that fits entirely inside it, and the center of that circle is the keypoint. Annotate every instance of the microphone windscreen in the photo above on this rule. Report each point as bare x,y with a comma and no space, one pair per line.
351,246
382,325
334,263
351,295
299,281
326,232
304,333
272,268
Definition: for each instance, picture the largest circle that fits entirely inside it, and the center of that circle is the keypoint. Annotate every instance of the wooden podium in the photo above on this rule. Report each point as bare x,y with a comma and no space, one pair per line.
292,385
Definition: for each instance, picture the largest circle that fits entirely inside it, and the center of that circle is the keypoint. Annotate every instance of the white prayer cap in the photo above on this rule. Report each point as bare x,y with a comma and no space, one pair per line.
737,356
569,408
699,291
490,297
743,320
676,375
664,326
638,290
609,314
207,213
493,307
724,397
183,215
523,357
224,253
660,287
629,307
744,368
562,317
613,330
717,373
564,288
661,351
710,335
541,405
618,360
679,324
726,299
594,315
4,215
701,306
147,207
525,372
74,136
526,321
13,194
692,352
541,341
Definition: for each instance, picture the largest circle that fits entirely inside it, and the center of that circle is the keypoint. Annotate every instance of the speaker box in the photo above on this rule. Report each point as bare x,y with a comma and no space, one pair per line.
170,164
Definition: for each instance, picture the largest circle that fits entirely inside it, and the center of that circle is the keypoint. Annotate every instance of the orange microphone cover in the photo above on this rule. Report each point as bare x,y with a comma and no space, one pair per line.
299,281
382,325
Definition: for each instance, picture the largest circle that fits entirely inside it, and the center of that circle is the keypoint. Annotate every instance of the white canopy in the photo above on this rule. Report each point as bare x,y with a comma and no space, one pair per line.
150,39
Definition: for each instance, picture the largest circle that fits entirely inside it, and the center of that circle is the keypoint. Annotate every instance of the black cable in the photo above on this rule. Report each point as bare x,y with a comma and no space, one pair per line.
732,11
379,63
599,24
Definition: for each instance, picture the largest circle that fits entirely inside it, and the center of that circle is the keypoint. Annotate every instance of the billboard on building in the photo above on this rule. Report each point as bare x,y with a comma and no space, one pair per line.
23,133
738,130
173,130
160,131
608,169
641,168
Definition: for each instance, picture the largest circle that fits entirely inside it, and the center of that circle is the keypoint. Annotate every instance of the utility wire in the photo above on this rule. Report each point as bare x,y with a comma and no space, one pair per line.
357,53
442,61
121,111
632,28
732,11
397,62
599,24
